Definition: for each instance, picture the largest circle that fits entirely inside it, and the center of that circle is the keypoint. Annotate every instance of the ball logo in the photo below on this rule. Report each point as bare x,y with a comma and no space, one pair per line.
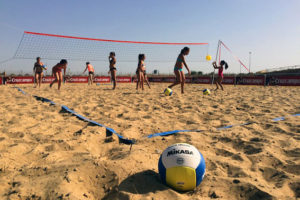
174,152
179,161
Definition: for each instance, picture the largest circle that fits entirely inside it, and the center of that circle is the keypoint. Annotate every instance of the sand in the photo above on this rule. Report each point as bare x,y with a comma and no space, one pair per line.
48,154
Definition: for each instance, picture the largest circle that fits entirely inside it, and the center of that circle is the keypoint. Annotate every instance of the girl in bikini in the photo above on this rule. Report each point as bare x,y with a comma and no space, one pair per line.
220,73
38,71
112,68
57,73
91,70
178,69
140,72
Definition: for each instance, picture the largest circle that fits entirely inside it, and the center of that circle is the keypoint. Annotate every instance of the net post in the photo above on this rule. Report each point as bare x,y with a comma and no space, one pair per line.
213,76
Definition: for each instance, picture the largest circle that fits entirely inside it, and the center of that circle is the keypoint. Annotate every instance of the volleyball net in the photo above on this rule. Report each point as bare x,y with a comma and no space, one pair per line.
77,50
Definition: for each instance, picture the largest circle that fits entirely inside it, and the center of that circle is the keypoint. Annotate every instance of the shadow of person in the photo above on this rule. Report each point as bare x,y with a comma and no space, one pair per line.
142,183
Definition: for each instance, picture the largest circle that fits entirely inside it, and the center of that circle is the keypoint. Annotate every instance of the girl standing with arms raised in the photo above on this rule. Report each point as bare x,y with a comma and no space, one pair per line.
178,69
57,73
220,73
112,68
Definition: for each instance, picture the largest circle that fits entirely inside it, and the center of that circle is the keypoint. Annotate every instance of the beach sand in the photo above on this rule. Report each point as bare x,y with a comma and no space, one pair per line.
48,154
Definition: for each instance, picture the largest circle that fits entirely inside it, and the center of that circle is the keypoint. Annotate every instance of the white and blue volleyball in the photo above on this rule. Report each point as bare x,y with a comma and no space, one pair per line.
181,166
168,92
206,91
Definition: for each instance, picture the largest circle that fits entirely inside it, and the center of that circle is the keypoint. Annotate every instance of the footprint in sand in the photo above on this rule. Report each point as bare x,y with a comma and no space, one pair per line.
274,176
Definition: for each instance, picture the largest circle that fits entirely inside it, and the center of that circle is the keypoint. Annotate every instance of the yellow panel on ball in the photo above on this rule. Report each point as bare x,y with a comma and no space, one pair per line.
208,57
181,178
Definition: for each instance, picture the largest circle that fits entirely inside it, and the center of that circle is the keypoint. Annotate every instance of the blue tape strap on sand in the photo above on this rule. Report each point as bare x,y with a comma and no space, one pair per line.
283,118
110,130
44,100
171,132
278,119
65,108
230,126
19,89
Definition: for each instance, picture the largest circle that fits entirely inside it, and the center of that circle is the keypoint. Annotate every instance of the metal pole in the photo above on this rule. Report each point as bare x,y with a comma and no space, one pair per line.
249,61
219,43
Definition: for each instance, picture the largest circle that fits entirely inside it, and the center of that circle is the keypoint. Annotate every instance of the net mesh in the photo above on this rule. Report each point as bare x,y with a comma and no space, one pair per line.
49,46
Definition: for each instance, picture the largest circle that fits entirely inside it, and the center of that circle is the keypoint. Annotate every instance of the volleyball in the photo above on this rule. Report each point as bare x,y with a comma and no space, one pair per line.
168,92
206,91
181,166
208,57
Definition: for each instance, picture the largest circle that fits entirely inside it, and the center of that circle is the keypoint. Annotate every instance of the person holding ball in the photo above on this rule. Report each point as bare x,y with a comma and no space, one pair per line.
178,69
38,71
220,73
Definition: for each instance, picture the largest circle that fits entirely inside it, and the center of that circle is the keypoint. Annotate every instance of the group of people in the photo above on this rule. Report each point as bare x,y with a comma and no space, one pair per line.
140,72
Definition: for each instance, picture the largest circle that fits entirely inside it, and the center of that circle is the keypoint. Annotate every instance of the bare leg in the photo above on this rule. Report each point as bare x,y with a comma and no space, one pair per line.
55,80
60,79
178,78
217,84
36,76
220,83
142,80
146,79
113,73
92,79
40,79
138,81
182,80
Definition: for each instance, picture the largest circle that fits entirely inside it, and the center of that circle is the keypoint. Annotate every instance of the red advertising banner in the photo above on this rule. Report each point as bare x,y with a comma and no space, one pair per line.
77,79
169,79
156,79
102,79
188,79
202,80
228,80
20,80
284,80
124,79
253,80
47,79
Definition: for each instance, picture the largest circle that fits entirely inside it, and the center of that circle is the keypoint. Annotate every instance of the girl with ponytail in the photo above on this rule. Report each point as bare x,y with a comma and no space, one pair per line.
220,73
178,69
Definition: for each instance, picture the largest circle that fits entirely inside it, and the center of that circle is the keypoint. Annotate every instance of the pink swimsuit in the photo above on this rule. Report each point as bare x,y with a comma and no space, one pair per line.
220,73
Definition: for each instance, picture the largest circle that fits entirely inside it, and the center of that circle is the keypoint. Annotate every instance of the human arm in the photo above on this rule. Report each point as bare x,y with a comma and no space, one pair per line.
215,65
183,60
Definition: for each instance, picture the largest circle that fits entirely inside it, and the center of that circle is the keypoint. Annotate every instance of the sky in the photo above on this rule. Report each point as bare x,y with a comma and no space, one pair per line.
270,29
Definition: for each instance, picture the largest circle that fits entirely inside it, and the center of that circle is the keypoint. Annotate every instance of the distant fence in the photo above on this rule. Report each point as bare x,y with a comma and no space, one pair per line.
282,80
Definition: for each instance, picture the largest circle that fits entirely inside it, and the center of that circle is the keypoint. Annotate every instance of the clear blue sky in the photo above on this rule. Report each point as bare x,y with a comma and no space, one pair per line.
270,29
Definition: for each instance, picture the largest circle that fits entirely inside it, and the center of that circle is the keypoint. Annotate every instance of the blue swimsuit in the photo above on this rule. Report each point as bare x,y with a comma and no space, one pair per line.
176,68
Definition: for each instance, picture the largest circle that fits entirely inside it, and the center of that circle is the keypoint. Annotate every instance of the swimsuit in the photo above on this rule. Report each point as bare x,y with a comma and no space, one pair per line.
176,68
90,68
57,68
220,72
38,68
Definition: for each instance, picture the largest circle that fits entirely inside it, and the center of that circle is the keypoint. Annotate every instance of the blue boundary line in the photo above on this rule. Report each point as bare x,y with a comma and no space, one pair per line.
122,139
109,131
